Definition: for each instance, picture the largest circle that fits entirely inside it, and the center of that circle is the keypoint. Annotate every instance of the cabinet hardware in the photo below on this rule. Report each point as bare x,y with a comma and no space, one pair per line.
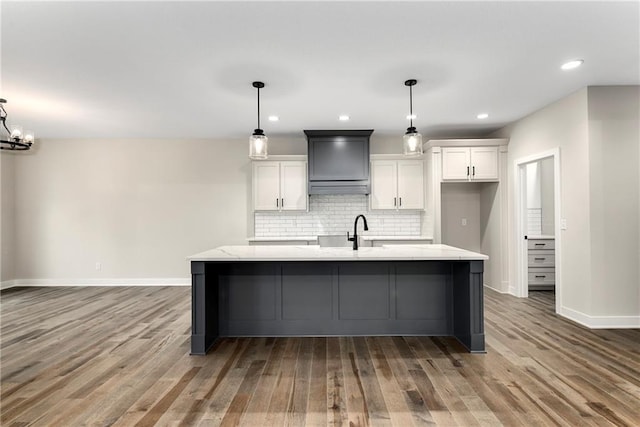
394,201
539,244
277,203
540,277
539,259
467,170
474,170
282,203
400,201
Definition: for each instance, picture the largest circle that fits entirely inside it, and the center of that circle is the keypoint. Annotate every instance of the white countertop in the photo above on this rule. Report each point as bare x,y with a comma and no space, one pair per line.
373,237
317,253
315,238
283,239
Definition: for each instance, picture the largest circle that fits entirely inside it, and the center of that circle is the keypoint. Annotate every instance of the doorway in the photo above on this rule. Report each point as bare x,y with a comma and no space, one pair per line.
538,225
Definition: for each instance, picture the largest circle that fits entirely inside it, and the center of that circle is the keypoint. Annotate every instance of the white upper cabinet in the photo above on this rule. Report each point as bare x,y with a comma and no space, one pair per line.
280,186
410,184
397,184
470,163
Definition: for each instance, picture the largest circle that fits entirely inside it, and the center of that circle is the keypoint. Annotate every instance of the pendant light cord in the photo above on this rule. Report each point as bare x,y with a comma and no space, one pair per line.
411,104
258,108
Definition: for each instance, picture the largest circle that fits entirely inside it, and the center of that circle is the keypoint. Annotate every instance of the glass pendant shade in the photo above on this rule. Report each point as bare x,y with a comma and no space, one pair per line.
412,143
258,145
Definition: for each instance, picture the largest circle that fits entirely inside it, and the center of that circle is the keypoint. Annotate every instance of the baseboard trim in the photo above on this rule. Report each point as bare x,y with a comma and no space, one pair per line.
495,289
600,322
7,284
178,281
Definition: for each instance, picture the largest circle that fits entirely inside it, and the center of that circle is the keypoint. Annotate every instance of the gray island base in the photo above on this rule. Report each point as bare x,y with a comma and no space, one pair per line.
430,290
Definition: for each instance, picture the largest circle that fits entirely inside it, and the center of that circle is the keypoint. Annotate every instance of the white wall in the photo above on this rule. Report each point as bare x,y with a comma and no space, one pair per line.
614,142
562,124
596,129
546,196
138,207
7,215
461,201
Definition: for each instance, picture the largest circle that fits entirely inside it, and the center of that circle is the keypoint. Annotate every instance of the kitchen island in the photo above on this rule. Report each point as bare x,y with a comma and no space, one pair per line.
433,290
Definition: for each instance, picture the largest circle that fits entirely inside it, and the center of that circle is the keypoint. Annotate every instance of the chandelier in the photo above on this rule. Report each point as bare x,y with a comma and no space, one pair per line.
17,139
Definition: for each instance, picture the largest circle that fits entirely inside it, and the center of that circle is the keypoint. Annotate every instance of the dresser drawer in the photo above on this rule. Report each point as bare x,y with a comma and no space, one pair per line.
542,276
541,244
543,258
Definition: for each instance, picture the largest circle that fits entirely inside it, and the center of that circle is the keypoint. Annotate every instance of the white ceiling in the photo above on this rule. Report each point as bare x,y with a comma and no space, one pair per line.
184,69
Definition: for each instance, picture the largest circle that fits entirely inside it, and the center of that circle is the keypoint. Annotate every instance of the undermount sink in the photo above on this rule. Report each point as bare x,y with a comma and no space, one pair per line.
334,241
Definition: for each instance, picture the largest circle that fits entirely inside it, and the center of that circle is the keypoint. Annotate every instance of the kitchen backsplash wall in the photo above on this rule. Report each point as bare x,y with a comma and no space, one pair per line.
334,214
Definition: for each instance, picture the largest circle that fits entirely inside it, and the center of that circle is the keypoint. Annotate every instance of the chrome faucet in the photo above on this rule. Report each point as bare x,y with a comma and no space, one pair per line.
354,239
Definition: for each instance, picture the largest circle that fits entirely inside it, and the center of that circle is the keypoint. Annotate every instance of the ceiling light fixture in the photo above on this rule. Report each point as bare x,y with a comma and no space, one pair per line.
572,64
258,141
482,116
18,140
412,140
274,118
343,118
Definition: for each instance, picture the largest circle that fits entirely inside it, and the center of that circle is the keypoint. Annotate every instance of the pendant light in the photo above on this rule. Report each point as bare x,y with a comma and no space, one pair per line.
258,141
412,140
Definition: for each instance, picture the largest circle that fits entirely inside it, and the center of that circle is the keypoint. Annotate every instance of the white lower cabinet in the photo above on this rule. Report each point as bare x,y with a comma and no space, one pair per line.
397,184
280,186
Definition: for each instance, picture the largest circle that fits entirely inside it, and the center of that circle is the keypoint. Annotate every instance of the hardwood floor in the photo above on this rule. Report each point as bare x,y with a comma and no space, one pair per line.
120,356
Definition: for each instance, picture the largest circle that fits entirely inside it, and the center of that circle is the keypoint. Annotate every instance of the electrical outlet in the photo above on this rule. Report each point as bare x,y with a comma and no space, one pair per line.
464,222
98,266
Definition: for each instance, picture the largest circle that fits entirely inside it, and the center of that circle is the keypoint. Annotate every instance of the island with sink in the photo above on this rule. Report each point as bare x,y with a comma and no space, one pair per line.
431,290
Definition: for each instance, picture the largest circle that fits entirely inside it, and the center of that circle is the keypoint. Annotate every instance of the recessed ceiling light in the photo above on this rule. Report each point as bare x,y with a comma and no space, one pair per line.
274,118
411,116
343,118
572,64
482,116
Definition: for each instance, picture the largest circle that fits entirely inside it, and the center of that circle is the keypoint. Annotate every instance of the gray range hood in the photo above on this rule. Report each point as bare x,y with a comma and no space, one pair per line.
339,161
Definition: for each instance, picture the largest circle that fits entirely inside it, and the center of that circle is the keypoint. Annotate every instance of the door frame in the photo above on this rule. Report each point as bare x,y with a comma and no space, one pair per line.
521,285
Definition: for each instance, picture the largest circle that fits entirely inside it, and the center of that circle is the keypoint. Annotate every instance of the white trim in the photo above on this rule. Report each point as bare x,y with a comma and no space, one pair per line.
600,322
179,281
283,158
7,284
395,157
495,289
520,288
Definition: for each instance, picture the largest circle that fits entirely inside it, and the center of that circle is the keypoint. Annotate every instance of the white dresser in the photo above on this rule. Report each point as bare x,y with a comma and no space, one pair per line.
542,263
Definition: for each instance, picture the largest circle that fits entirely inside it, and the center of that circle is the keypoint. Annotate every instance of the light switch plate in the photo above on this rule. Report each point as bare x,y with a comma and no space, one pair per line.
563,224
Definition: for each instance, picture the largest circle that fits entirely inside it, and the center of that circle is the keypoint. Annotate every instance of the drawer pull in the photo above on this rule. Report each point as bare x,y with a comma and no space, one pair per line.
542,276
539,259
539,244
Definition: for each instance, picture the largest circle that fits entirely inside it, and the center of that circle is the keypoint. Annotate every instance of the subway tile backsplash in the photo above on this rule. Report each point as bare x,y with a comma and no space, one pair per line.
334,214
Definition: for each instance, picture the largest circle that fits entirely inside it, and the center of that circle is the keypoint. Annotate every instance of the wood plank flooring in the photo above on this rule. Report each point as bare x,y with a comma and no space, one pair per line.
73,356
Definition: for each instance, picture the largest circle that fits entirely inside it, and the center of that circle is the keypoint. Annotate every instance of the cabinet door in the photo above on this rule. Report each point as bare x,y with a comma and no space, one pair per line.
293,186
384,184
456,163
410,184
484,163
266,186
